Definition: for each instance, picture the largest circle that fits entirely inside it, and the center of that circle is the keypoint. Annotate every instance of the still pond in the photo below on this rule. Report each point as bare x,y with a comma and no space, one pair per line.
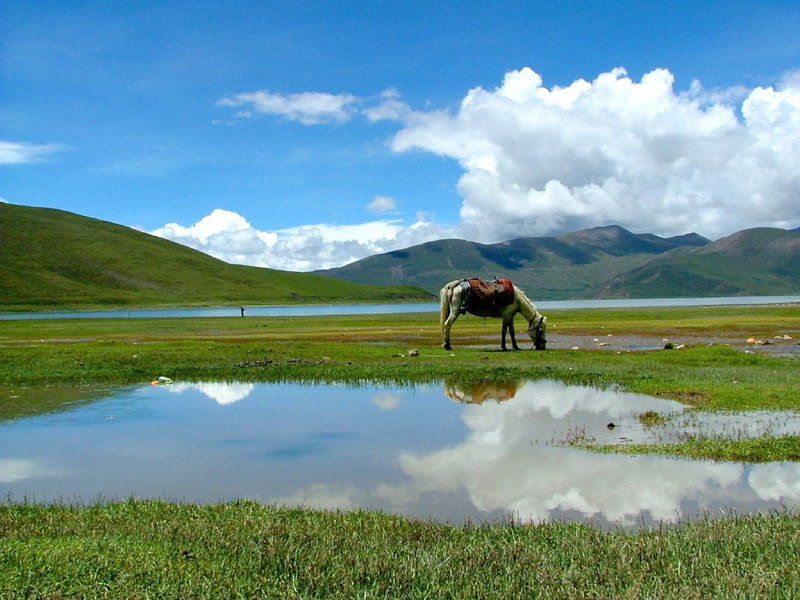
443,452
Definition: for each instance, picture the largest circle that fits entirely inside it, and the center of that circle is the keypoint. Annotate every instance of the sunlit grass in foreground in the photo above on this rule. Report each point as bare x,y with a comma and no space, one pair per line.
245,550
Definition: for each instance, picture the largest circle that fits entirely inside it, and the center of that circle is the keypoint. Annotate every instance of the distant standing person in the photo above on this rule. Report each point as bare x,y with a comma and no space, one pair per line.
242,309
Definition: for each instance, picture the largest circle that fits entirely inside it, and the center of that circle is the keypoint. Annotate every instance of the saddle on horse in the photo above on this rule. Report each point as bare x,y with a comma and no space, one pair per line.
486,298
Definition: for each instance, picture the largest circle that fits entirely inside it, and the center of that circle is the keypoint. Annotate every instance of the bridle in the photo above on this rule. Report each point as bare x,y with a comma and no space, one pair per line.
538,326
539,341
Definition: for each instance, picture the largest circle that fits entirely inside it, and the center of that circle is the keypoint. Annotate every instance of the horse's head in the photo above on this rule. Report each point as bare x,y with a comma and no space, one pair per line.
537,329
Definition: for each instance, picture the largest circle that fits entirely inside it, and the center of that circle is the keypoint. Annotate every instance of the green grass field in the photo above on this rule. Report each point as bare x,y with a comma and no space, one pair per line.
245,550
367,347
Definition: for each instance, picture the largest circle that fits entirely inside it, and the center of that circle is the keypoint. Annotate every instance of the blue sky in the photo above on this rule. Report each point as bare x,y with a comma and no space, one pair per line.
302,135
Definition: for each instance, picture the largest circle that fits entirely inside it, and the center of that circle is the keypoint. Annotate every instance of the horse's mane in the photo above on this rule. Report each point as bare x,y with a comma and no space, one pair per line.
525,303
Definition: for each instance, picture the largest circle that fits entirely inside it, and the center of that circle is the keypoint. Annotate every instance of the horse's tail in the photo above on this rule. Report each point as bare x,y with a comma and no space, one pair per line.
445,297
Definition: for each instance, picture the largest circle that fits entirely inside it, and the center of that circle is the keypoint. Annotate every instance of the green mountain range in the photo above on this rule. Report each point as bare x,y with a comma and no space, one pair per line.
572,265
604,262
761,261
56,259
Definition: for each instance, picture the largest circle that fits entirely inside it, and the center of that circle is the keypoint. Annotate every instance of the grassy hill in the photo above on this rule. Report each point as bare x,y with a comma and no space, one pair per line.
56,259
566,266
760,261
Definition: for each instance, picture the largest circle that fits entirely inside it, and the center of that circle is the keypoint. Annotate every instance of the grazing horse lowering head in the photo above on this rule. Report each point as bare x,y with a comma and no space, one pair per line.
499,299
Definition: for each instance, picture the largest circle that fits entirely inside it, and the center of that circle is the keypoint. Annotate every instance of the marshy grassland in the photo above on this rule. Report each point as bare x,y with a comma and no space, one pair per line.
715,369
708,372
154,549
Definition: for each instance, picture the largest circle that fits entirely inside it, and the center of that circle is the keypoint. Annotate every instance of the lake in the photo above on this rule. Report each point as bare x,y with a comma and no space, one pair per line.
442,452
362,309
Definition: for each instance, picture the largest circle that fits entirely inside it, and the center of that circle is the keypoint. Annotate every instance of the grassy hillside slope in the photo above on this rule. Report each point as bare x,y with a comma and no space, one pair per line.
565,266
762,261
52,259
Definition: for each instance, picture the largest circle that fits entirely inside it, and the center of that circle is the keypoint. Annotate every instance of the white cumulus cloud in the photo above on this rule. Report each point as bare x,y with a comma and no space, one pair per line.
541,160
230,237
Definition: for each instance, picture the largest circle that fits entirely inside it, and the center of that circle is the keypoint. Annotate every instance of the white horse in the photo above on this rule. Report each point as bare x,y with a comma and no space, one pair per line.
455,299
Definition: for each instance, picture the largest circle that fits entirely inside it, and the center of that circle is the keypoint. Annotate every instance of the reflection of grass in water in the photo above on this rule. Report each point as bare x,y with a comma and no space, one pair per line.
575,436
244,550
752,441
22,401
761,449
729,425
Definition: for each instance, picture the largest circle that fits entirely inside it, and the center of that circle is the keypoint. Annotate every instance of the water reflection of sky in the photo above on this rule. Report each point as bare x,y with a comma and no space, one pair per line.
443,452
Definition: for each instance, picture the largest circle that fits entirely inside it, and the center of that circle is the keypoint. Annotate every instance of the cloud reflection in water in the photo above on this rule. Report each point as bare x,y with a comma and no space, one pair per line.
13,470
220,392
480,452
505,463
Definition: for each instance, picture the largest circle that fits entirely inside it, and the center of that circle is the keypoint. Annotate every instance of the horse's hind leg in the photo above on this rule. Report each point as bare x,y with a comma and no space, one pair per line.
503,336
450,307
448,323
447,316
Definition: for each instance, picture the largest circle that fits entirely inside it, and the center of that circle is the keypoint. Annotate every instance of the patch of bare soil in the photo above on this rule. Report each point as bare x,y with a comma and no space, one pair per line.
633,343
627,343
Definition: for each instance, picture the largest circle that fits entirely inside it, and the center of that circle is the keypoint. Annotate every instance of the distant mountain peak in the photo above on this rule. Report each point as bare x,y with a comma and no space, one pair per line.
689,239
605,232
618,241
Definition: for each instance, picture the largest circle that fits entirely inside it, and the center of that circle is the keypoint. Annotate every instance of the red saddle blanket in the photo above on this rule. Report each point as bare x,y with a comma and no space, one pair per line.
489,298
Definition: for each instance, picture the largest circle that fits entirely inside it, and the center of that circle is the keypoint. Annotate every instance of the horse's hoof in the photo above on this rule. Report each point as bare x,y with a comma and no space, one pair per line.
446,346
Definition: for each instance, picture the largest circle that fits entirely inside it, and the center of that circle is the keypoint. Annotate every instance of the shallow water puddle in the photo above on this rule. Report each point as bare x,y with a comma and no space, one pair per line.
431,451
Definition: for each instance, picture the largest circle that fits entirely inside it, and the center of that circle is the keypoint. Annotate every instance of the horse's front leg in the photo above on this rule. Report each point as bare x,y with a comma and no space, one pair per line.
513,337
503,336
